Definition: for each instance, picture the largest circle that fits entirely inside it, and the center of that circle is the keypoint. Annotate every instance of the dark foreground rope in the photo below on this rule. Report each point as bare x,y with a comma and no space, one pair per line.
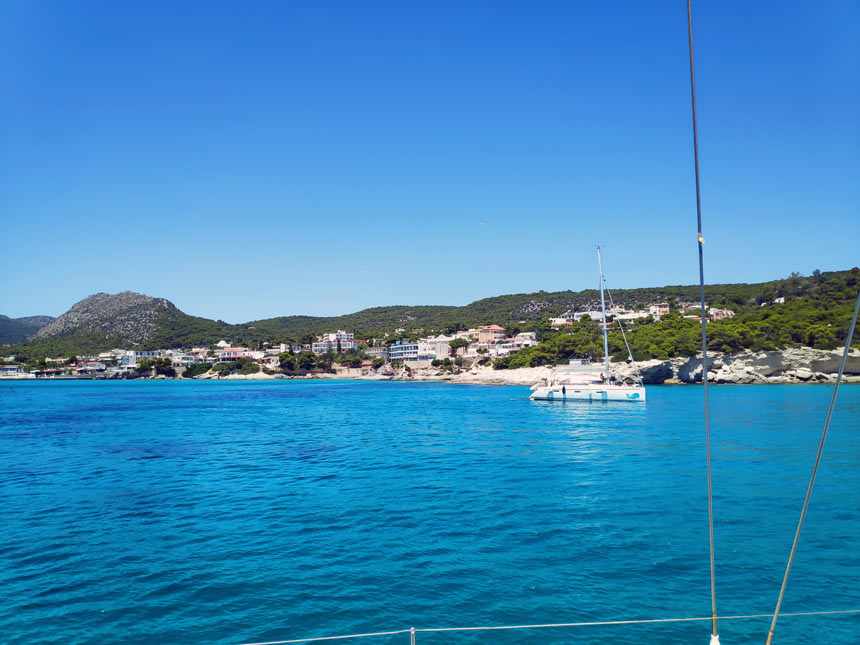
701,242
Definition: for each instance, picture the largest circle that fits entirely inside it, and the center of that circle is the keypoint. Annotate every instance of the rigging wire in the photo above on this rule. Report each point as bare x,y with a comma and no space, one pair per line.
624,336
715,639
814,469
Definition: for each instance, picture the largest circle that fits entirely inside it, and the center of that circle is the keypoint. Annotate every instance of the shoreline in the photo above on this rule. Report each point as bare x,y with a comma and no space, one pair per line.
846,380
852,379
796,365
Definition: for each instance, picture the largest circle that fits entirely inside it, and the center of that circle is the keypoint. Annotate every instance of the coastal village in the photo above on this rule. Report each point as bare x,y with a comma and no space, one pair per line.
384,356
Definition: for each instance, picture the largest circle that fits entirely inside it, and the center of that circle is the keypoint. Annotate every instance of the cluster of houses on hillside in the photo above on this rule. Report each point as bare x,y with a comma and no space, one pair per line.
657,310
489,341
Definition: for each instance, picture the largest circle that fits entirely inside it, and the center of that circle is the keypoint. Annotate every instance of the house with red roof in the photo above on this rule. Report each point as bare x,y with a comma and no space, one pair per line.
490,334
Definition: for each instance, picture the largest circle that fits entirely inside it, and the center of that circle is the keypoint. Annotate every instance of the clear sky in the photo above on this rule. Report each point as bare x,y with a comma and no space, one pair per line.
247,160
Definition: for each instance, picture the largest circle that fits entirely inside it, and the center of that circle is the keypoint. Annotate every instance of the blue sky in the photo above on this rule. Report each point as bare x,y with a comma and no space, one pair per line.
247,160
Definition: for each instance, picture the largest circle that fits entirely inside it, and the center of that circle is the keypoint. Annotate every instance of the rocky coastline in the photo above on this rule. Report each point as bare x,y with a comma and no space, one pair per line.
796,365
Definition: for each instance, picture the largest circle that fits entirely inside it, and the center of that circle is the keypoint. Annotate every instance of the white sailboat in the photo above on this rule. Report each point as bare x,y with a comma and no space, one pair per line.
583,380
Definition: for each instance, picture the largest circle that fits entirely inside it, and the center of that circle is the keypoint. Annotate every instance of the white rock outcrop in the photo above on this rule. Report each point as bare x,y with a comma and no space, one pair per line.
795,365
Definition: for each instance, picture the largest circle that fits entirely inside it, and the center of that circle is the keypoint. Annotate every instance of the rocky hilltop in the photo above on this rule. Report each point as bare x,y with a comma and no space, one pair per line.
130,316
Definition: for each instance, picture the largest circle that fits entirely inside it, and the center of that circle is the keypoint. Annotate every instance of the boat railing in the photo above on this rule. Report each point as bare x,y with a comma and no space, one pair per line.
413,632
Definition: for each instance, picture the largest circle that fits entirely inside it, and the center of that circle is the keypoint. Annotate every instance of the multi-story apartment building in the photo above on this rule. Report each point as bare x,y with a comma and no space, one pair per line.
339,335
403,350
322,347
658,309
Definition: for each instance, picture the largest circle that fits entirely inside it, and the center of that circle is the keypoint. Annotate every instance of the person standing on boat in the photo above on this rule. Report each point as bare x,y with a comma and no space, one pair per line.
612,379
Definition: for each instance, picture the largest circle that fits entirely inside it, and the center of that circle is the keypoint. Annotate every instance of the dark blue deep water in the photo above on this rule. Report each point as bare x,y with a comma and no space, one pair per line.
224,512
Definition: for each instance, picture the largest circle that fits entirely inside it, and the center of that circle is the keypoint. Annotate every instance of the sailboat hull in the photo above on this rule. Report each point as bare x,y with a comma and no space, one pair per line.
589,393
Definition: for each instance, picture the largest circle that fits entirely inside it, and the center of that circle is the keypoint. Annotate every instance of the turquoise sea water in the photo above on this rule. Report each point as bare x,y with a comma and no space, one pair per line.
223,512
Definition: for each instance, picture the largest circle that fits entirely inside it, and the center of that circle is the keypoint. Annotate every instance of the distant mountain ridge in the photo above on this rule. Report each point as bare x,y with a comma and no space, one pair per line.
14,330
132,320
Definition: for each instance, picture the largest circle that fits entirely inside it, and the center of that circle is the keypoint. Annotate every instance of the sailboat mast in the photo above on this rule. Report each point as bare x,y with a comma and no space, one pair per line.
603,309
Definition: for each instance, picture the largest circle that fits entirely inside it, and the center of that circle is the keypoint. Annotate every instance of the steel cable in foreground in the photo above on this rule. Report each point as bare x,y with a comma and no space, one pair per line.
643,621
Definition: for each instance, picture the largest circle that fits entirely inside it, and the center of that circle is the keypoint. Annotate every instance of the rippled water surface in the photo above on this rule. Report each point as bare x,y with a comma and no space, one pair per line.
186,512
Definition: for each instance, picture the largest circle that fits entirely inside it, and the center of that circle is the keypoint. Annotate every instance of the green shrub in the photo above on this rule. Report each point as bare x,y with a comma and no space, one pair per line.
197,370
249,368
288,362
306,360
223,369
161,366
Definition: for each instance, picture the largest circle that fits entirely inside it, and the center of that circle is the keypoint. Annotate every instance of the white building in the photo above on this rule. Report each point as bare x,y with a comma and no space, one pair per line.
201,354
129,357
719,314
322,347
377,352
339,335
91,367
403,350
659,309
284,348
631,315
568,318
231,354
469,334
181,359
435,346
524,339
270,361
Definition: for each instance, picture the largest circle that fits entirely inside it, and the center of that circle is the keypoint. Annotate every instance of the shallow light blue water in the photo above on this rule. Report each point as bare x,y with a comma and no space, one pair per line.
186,512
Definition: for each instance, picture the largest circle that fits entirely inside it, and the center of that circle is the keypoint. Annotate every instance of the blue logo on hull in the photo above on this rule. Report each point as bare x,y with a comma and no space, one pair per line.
635,395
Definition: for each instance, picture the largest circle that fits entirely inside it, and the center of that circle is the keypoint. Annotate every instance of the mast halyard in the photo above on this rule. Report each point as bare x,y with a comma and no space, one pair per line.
603,309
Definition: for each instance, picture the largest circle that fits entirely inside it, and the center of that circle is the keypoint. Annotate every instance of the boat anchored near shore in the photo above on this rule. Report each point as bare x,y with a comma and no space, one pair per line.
583,380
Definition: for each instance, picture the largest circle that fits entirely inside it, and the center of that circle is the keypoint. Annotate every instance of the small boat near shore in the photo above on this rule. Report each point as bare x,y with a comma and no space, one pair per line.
583,380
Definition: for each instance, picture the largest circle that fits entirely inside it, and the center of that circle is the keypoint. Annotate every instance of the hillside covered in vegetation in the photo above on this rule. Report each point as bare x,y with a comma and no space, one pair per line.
14,330
815,313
